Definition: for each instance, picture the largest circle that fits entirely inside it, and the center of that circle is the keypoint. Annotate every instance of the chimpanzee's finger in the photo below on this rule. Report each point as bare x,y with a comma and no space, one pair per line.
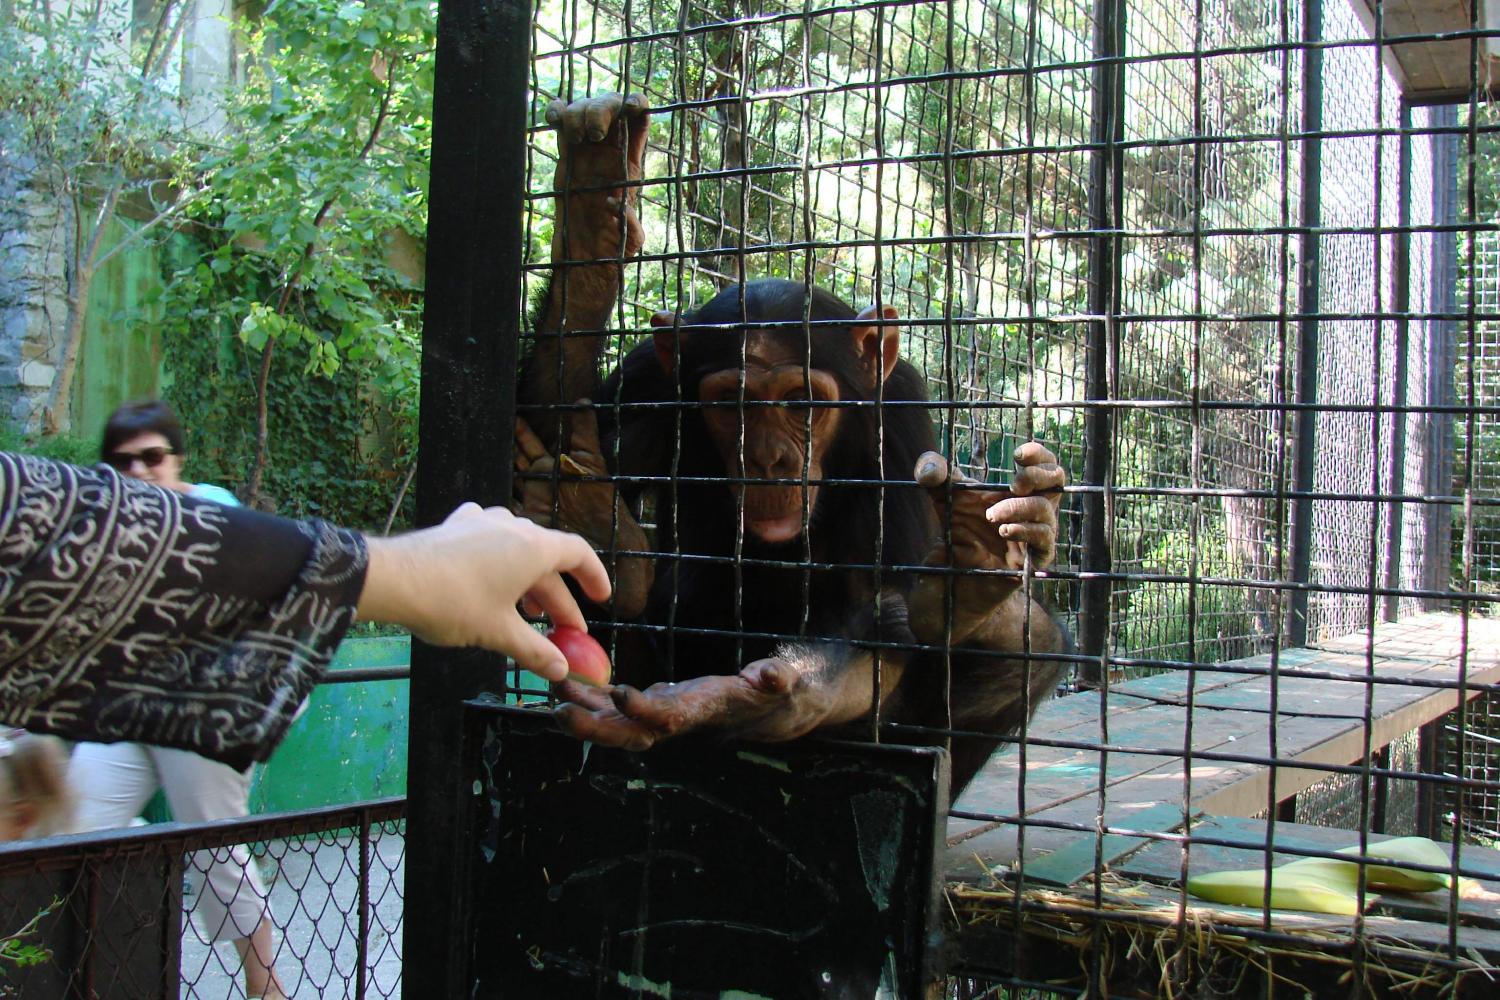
772,675
1034,453
1038,479
528,446
639,111
931,470
599,114
590,696
583,430
1041,538
1022,510
568,123
604,727
535,481
661,712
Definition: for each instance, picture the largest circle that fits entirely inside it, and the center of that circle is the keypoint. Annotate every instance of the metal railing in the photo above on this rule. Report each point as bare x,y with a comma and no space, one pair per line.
110,918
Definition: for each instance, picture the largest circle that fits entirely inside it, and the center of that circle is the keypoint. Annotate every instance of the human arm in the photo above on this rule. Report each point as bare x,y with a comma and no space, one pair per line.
129,612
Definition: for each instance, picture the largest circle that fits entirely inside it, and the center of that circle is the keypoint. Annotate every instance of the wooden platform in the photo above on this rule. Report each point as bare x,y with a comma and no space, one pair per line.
1409,673
1131,762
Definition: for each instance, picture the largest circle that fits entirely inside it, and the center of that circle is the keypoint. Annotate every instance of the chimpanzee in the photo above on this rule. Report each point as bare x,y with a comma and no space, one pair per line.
800,588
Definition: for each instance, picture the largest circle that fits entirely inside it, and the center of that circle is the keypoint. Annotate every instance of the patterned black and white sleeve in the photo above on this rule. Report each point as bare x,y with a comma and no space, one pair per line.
129,612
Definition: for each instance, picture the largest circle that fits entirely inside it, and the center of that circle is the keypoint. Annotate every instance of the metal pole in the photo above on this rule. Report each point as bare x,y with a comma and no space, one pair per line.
469,358
1308,299
1397,484
362,943
1106,206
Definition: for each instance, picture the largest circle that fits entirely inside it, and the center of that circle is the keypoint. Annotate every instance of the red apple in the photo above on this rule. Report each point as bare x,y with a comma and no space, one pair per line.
588,663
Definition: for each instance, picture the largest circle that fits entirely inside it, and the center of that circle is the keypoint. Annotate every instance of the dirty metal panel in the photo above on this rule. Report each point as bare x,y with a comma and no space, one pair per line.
700,869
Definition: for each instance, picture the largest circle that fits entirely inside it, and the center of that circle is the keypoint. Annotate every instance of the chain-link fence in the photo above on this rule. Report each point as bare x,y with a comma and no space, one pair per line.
119,915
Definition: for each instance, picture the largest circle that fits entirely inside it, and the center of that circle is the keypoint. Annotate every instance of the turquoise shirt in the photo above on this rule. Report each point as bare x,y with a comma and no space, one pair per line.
218,494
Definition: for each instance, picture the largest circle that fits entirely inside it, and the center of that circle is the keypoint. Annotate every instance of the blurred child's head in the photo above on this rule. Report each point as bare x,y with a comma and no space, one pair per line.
34,796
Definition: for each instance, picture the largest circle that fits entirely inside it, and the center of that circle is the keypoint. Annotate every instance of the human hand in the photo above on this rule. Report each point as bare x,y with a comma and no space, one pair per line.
458,584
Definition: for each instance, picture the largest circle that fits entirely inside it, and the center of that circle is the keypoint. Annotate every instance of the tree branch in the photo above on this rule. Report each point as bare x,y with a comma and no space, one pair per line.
175,209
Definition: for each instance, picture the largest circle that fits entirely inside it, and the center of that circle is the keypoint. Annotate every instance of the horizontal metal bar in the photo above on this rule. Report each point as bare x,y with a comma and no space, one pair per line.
749,22
1084,489
1184,141
197,836
1273,669
356,675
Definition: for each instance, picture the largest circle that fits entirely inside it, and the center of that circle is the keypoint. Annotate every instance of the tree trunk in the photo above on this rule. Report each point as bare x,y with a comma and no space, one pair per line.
57,412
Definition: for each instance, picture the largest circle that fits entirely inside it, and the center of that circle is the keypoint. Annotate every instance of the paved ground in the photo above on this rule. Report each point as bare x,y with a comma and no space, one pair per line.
314,900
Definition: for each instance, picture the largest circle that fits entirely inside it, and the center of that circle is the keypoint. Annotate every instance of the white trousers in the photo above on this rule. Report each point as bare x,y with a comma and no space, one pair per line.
114,781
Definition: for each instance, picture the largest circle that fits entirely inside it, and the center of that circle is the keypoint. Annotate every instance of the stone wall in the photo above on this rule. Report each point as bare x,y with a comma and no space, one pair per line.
34,229
33,286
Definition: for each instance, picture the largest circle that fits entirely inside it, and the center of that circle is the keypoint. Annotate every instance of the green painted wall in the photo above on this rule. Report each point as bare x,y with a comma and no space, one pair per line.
350,744
118,360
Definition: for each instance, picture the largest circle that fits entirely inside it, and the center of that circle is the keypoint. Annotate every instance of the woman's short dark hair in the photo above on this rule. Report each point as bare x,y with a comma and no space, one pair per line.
144,416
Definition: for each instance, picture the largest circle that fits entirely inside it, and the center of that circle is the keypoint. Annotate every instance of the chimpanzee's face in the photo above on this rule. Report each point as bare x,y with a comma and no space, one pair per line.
775,436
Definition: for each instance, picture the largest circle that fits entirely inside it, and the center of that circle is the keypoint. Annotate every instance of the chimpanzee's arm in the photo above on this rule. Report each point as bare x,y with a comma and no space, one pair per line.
806,686
563,467
600,141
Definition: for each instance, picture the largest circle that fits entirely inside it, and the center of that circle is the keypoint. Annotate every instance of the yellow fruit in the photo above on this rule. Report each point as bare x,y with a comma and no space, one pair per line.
1315,884
1413,850
1324,885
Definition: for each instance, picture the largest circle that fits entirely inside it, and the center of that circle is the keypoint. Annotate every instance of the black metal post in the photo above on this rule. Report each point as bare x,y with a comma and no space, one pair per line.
1397,483
1381,805
1308,299
362,943
1429,795
469,357
1106,206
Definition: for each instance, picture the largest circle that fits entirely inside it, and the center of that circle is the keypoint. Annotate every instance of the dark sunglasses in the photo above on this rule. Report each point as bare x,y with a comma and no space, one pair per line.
149,457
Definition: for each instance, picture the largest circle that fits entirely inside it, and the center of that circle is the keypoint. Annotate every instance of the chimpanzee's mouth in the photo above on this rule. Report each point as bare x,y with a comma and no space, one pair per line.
776,530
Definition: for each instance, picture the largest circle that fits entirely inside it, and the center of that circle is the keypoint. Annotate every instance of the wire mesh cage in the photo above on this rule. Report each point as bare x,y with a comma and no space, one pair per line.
1233,265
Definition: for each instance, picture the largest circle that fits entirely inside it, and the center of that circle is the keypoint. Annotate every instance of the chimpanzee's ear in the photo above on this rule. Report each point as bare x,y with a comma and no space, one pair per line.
877,342
664,339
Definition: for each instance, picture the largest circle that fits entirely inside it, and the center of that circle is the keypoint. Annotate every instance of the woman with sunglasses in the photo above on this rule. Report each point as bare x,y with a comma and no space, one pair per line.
114,781
144,440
